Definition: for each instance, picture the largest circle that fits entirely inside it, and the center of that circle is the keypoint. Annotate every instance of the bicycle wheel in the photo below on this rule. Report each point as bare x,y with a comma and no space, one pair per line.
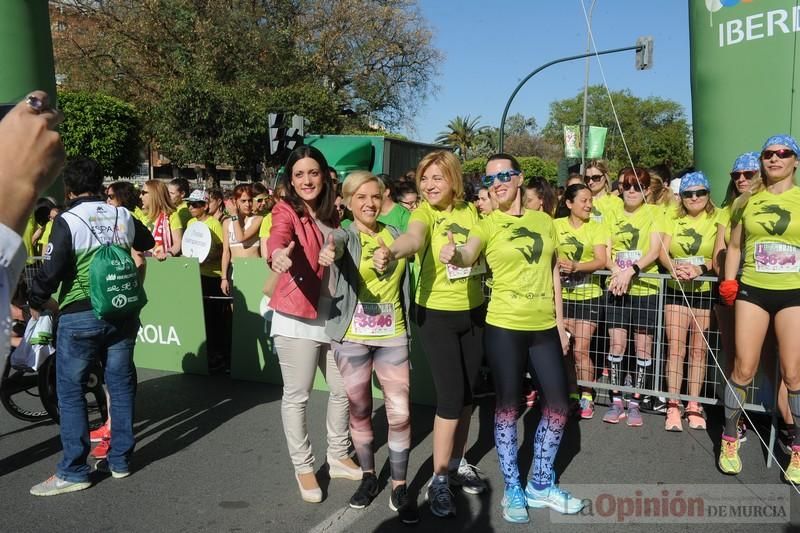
20,396
95,394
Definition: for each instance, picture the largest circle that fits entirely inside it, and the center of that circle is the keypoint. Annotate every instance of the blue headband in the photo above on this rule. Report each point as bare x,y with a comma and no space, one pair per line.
693,179
747,161
783,140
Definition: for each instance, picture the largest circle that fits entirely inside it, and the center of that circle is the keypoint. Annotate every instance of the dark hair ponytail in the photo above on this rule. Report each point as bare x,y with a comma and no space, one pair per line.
570,193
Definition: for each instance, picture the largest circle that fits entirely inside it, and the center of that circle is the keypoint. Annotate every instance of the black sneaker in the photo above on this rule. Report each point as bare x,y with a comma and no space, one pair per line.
646,404
660,405
786,439
365,492
403,505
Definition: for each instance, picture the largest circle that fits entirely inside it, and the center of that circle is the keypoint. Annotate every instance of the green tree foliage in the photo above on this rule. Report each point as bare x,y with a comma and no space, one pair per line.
462,133
206,73
655,129
530,166
103,128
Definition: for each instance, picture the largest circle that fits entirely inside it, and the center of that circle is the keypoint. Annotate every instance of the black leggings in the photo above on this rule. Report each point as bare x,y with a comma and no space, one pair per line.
453,342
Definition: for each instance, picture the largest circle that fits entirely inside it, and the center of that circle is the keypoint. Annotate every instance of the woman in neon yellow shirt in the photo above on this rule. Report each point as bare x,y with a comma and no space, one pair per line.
689,238
368,331
769,291
524,329
632,302
596,178
450,315
582,245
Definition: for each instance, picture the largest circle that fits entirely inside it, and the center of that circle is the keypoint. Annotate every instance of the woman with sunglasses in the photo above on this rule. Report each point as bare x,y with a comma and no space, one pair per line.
689,238
368,330
524,329
163,220
450,315
596,178
582,245
241,233
301,300
769,291
632,302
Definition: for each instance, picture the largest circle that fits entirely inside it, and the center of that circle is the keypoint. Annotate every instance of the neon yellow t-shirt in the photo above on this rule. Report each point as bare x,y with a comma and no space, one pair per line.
605,205
434,289
520,250
379,314
630,241
578,245
772,240
692,242
27,236
141,216
212,267
266,227
182,216
45,238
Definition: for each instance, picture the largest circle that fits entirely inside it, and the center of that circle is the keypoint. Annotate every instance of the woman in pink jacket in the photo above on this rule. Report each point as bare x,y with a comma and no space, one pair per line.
301,223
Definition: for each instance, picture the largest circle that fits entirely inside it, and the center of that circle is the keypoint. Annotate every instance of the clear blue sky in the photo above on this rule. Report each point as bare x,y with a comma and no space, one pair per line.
489,46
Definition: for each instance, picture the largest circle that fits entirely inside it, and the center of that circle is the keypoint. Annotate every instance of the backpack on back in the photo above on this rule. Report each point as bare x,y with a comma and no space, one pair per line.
115,291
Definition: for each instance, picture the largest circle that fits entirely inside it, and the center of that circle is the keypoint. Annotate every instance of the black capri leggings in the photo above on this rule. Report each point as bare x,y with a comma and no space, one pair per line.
453,342
511,352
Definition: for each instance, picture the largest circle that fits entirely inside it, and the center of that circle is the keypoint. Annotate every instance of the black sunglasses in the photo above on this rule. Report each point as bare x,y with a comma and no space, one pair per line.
702,193
748,174
196,204
783,153
634,186
592,177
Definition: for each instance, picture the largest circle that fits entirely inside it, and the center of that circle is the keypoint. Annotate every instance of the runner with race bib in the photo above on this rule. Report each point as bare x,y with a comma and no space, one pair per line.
368,331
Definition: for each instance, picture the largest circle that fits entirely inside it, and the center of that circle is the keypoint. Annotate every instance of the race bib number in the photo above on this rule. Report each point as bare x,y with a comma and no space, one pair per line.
695,260
776,257
477,268
373,320
597,218
627,258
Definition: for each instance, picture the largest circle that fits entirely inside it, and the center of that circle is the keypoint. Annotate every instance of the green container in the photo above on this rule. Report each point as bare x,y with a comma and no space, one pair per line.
744,58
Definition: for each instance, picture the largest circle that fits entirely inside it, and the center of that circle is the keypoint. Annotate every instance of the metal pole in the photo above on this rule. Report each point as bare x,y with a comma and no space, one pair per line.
538,70
586,88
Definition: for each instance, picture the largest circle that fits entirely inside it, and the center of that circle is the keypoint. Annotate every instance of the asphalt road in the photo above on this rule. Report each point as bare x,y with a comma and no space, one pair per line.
211,457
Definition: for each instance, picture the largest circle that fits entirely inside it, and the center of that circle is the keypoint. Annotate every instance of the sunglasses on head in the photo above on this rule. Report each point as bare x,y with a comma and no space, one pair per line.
748,174
503,177
196,205
702,193
592,177
783,153
634,186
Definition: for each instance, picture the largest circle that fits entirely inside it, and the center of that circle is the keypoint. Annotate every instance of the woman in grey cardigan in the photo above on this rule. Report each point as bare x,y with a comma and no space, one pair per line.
367,326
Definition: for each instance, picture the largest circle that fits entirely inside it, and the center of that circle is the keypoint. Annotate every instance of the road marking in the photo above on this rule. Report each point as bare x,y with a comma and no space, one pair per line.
341,520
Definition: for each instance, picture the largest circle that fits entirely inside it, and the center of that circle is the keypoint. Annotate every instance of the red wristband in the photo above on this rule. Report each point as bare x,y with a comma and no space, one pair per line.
728,289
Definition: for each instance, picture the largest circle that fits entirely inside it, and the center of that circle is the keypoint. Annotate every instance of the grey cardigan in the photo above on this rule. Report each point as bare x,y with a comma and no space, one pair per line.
345,273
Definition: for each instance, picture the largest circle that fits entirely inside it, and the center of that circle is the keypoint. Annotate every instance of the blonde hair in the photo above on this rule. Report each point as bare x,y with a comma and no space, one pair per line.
451,170
355,180
157,200
659,193
602,166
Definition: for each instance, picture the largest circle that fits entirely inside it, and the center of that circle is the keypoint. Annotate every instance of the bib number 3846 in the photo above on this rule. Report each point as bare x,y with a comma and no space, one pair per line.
776,257
373,319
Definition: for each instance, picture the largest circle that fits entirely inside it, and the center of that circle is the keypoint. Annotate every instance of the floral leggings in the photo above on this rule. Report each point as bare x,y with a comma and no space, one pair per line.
356,362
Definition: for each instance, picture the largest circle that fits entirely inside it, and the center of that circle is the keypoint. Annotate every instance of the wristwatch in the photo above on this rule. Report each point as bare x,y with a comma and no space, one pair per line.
235,218
636,269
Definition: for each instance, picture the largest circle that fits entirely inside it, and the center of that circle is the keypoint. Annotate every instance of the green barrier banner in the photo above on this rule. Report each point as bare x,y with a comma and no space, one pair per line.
744,58
172,335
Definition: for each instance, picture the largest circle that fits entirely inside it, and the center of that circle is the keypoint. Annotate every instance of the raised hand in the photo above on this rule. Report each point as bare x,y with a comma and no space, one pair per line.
281,259
448,251
328,253
382,257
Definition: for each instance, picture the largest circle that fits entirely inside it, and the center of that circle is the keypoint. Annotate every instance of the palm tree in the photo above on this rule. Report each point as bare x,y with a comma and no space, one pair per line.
462,133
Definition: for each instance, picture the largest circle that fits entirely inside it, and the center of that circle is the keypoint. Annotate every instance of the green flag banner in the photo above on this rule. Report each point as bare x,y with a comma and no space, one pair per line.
744,57
596,142
572,141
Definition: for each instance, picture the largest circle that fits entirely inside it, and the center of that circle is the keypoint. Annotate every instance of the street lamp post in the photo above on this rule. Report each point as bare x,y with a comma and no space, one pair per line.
586,87
639,47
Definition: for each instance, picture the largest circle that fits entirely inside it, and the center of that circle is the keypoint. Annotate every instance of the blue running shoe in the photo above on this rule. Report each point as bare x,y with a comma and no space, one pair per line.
514,508
553,497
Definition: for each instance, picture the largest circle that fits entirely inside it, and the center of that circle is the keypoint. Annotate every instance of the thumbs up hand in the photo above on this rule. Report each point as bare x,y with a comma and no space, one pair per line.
382,256
328,253
448,251
281,258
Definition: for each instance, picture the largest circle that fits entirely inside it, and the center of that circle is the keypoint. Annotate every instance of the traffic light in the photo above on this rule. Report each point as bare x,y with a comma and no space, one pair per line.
296,134
644,55
276,133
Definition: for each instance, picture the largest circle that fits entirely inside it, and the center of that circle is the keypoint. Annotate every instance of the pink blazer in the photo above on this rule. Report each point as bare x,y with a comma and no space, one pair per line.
297,291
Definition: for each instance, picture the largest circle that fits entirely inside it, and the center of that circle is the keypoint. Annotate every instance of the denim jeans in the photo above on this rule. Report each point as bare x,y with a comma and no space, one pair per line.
81,339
